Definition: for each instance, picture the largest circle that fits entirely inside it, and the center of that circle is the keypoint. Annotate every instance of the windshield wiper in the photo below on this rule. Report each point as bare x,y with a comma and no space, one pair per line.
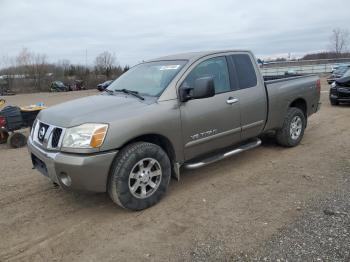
130,92
110,92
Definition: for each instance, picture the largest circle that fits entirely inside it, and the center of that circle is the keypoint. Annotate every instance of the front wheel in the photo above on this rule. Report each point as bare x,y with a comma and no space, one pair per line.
293,128
140,176
334,102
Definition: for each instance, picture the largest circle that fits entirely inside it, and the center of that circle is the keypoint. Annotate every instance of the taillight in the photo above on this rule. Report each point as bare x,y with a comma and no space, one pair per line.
318,85
2,121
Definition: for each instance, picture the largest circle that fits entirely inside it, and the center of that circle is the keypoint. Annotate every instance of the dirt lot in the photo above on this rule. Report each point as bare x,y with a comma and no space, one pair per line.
246,207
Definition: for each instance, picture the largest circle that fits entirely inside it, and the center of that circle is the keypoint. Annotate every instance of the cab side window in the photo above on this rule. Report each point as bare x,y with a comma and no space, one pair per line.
215,68
245,71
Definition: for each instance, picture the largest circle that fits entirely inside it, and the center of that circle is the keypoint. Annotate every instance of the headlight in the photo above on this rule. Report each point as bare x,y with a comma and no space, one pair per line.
85,136
333,85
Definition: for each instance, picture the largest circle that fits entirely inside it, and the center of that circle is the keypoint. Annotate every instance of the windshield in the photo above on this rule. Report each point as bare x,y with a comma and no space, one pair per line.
148,78
58,83
341,70
347,73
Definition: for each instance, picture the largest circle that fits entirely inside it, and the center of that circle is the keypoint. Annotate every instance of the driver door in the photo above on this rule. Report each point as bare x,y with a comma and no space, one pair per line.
210,123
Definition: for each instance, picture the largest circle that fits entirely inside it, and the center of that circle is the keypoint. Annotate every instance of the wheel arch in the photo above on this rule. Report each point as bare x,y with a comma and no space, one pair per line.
164,143
301,104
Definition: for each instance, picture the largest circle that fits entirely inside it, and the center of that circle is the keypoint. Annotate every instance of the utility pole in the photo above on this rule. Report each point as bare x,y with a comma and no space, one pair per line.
86,58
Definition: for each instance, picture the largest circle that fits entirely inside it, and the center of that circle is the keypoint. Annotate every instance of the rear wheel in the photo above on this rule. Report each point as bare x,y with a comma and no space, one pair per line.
16,140
140,176
293,128
3,137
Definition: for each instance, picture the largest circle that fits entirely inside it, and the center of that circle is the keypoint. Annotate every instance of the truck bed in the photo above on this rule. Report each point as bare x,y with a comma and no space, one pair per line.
284,91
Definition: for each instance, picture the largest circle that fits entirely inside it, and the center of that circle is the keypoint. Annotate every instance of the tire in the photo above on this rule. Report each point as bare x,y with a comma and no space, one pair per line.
334,102
17,140
3,137
288,136
128,179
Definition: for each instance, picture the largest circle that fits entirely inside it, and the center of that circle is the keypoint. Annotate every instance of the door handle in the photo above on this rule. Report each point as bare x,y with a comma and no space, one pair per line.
232,100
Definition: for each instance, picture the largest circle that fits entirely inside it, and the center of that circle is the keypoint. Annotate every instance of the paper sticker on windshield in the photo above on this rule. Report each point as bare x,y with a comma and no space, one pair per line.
169,67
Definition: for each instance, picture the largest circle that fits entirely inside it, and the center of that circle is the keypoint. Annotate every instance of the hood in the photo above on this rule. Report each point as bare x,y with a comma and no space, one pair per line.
93,109
344,81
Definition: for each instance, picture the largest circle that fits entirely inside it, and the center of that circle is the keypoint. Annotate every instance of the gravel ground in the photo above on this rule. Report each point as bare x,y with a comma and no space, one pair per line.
320,233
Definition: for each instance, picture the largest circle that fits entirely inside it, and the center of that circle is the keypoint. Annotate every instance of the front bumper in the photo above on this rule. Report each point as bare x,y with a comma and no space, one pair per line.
85,172
340,94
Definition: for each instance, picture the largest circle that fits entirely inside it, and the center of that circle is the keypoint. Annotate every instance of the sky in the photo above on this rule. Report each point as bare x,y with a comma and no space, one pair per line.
78,30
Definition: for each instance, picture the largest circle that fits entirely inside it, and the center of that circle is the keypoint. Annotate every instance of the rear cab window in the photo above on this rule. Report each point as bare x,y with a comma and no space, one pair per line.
245,74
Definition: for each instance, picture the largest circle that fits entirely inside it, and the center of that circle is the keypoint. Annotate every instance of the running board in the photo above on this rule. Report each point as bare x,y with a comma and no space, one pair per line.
212,159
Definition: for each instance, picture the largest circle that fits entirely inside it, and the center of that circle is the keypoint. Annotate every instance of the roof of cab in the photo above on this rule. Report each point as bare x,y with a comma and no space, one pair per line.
193,55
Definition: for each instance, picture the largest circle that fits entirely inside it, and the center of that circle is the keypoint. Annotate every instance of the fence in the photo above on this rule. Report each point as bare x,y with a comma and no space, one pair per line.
303,67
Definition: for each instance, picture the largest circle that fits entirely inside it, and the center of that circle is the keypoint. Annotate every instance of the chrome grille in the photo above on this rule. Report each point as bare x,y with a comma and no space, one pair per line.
52,138
56,135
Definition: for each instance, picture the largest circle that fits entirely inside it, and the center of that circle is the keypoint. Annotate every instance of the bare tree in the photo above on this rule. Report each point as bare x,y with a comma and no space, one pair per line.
7,63
8,70
339,40
63,67
105,62
39,68
33,65
64,63
4,61
23,61
29,70
24,56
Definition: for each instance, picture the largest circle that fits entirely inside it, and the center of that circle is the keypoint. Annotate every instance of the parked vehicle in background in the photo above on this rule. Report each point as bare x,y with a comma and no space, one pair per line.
340,90
78,85
104,85
185,110
337,66
4,87
338,73
58,86
334,68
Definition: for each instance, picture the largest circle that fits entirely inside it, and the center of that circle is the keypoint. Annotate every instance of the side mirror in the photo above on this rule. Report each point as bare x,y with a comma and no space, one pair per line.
203,88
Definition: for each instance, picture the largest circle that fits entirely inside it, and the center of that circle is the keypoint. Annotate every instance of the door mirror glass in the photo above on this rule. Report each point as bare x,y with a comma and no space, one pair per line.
203,87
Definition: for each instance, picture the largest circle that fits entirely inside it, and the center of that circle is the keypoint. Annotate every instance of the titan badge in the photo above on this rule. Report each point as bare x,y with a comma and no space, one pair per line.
204,134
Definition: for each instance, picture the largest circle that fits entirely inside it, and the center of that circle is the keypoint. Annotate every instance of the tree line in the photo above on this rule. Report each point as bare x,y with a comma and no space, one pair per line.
338,47
31,71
